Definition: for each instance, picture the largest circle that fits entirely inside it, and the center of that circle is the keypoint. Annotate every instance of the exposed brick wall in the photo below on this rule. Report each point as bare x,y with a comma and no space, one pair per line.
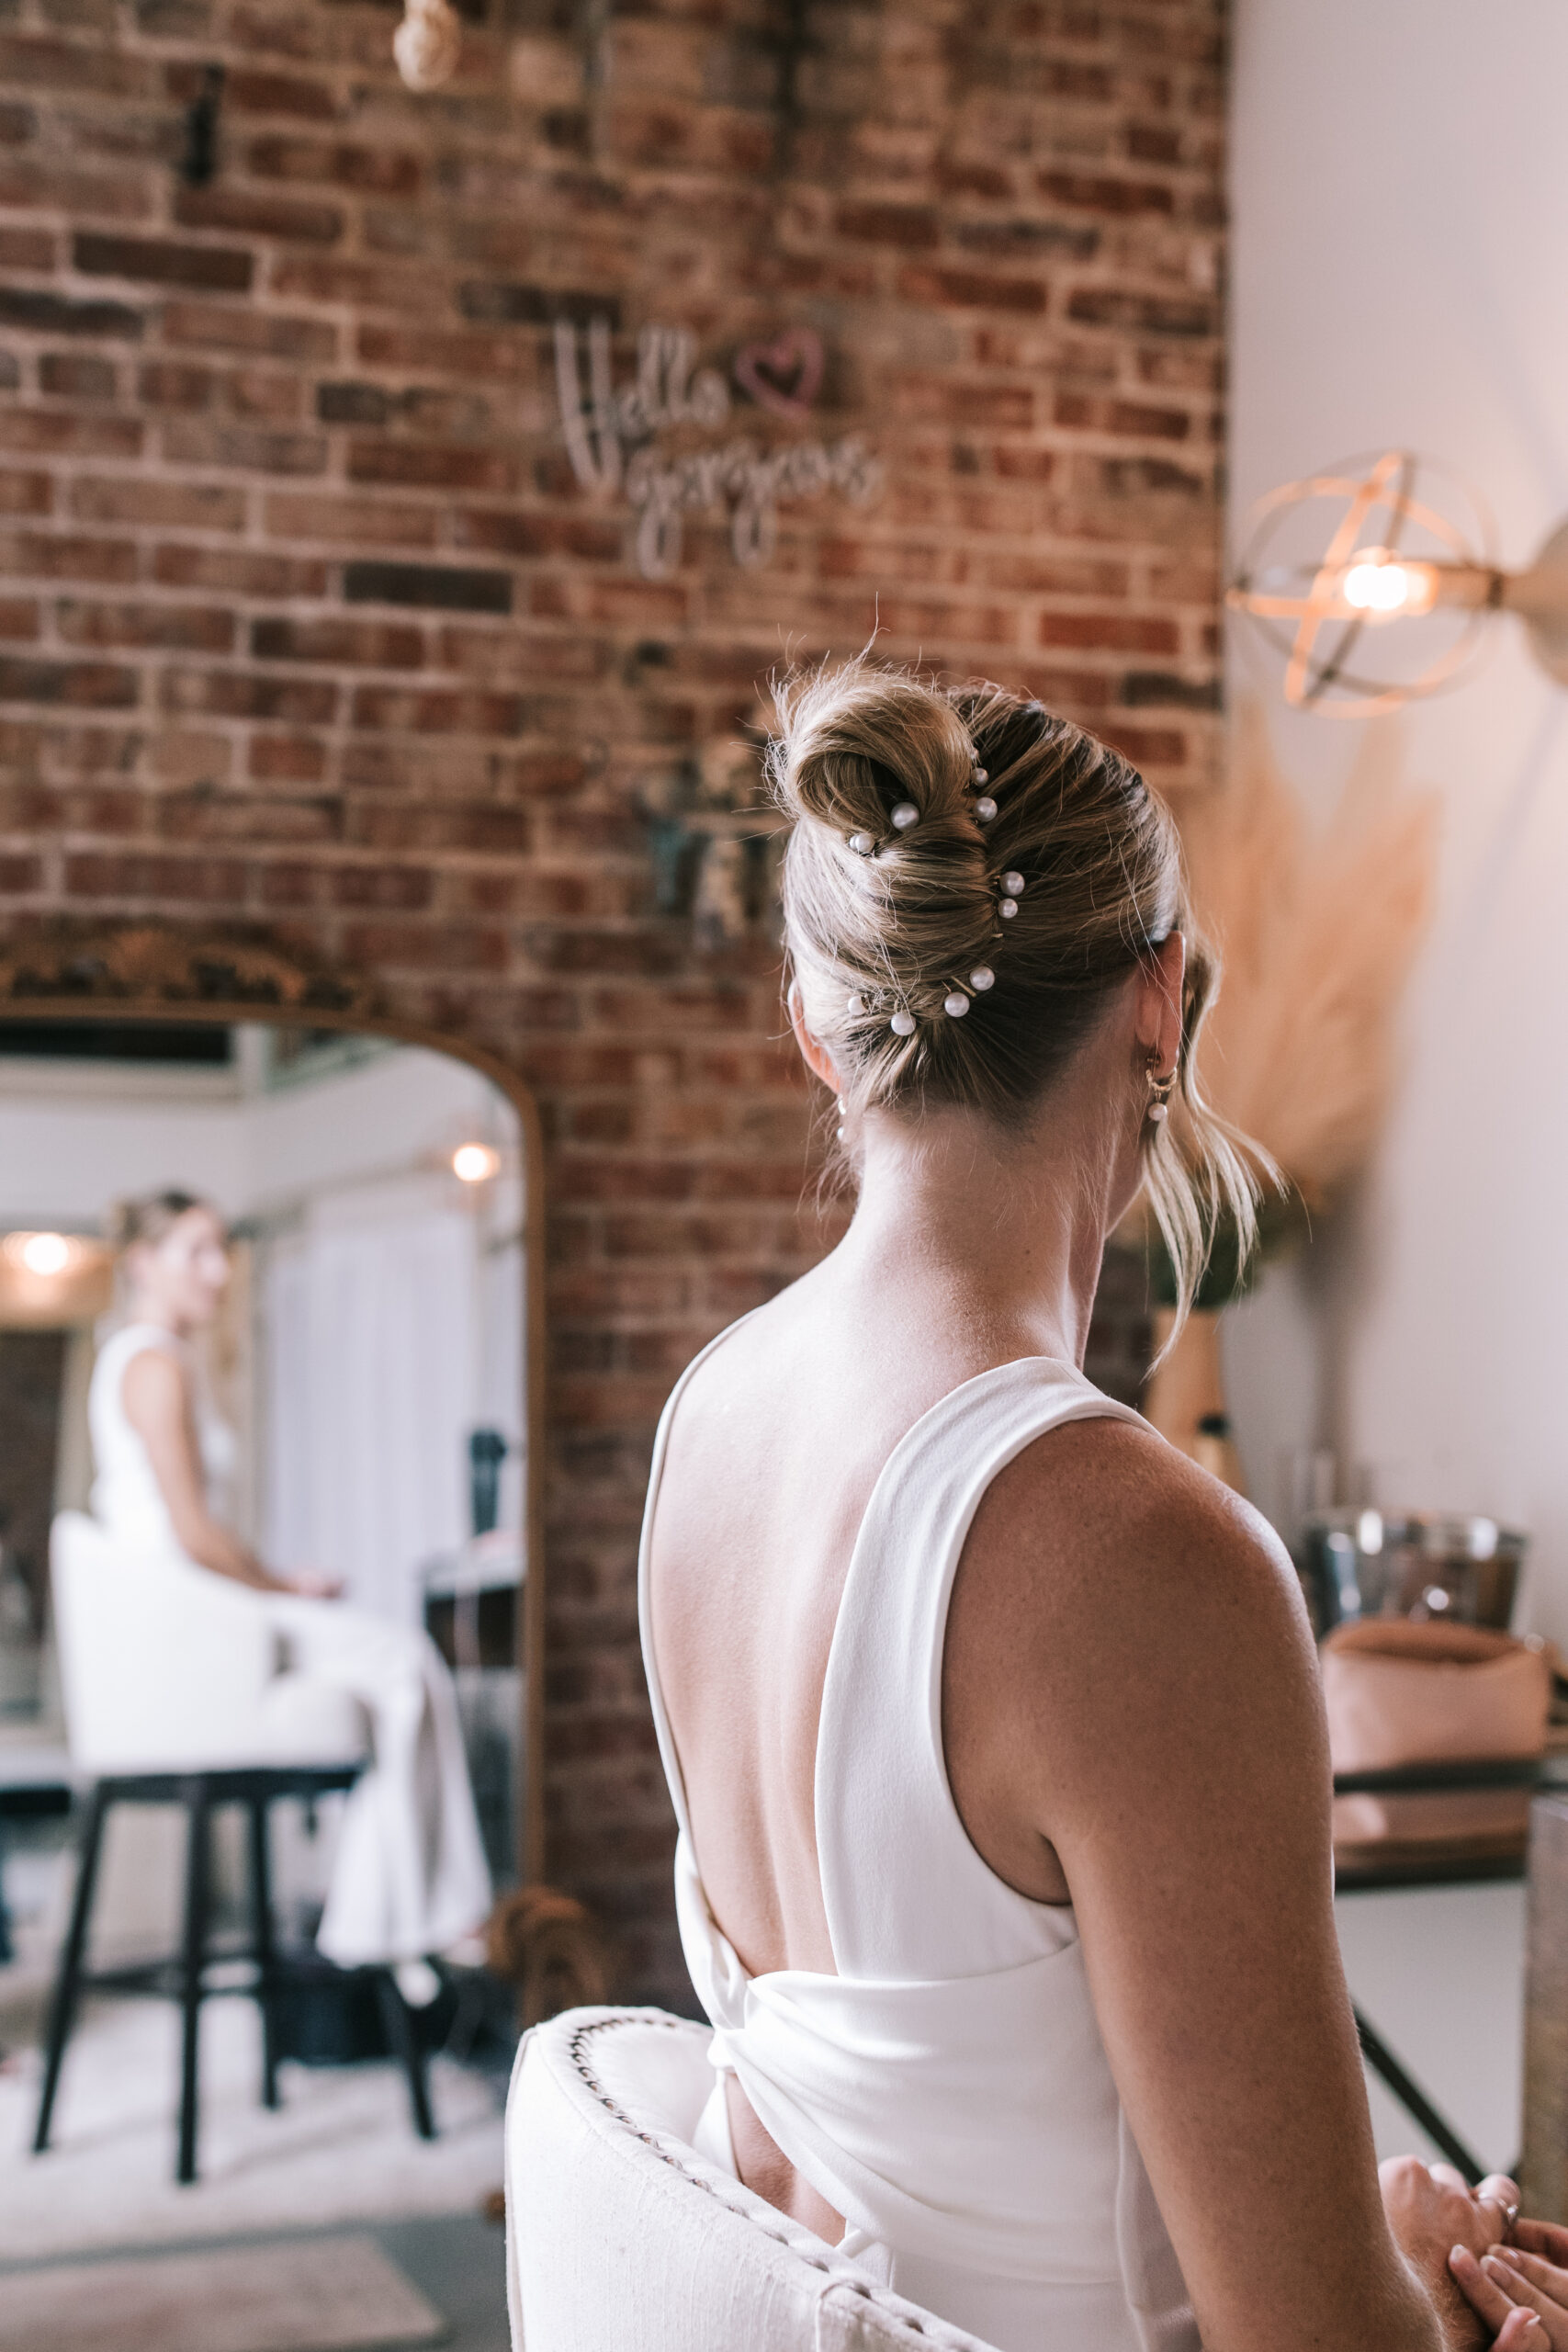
306,625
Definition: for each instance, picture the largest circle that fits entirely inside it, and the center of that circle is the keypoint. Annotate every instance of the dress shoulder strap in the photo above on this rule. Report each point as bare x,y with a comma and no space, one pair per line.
906,1892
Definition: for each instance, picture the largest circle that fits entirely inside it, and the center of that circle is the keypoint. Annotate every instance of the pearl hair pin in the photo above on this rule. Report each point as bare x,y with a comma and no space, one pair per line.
982,978
902,1024
985,808
956,1005
905,815
861,844
857,1008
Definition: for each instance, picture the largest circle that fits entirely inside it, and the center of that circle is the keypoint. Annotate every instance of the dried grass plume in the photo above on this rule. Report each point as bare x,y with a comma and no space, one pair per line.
1318,929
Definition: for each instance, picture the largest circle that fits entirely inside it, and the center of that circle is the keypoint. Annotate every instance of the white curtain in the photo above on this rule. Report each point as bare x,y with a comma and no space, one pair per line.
371,1363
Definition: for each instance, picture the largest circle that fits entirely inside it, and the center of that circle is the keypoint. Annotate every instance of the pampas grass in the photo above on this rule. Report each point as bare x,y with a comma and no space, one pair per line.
1317,931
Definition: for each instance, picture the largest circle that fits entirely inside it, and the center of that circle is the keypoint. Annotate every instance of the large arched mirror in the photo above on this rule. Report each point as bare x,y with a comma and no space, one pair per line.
373,1364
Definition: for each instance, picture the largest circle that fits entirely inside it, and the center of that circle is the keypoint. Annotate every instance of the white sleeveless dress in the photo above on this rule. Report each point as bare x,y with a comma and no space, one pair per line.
409,1876
947,2091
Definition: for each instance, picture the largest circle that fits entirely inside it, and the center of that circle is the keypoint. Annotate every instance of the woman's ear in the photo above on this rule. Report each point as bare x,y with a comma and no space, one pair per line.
1157,1012
813,1052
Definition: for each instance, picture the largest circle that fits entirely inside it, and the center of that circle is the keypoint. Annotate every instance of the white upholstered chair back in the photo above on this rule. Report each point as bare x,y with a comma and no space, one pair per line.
620,2238
165,1666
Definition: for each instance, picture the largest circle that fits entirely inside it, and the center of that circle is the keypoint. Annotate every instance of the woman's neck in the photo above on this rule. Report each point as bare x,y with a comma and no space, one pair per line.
1008,1231
161,1318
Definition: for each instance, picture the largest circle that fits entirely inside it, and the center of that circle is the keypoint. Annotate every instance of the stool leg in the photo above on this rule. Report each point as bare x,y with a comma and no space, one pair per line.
405,2048
68,1983
192,1959
265,1958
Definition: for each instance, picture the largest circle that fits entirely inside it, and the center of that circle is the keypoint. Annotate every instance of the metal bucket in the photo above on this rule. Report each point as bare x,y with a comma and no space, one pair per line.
1410,1564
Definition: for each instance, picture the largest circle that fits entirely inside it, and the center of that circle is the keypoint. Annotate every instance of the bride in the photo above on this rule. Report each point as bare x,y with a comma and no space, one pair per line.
410,1877
992,1724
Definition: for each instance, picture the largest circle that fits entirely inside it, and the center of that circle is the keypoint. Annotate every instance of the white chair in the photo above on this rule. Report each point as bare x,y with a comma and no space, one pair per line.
176,1692
621,2238
165,1666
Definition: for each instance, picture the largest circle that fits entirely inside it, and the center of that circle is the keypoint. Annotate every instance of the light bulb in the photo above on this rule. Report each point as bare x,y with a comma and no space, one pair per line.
46,1253
474,1163
1374,583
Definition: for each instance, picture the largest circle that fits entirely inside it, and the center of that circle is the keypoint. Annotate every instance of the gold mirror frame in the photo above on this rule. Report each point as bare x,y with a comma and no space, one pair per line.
147,971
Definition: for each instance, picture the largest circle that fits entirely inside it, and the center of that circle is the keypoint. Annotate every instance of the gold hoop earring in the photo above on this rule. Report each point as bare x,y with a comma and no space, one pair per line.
1161,1088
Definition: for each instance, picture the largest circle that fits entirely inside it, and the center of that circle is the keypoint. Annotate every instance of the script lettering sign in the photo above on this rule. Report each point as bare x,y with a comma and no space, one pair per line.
611,438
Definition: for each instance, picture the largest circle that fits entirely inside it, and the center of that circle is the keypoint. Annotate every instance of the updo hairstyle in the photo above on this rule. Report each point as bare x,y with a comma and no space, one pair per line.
149,1217
967,879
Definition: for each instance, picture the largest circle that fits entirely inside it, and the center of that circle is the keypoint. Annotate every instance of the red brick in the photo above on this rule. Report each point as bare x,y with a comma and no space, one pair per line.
92,685
250,212
210,327
203,881
77,376
376,645
63,432
237,572
156,261
199,506
971,289
234,693
431,466
352,522
367,170
911,226
25,493
1091,193
287,759
437,713
37,555
189,629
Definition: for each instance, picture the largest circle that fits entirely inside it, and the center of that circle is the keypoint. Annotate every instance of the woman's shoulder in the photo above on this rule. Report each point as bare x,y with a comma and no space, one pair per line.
158,1357
1102,1519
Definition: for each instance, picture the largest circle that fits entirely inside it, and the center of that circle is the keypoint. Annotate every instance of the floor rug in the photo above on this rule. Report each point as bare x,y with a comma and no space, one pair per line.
314,2295
339,2151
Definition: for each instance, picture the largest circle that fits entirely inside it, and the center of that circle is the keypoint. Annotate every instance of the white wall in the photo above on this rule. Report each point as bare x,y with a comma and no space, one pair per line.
1401,218
73,1142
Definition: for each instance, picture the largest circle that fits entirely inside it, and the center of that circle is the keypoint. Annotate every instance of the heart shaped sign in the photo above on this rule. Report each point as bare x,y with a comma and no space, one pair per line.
785,374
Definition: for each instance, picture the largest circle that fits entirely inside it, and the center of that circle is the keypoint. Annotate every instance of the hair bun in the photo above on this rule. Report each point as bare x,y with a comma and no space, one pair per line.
858,746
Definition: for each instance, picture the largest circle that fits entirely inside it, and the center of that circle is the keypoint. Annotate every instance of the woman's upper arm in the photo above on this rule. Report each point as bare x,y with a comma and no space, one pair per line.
156,1397
1159,1695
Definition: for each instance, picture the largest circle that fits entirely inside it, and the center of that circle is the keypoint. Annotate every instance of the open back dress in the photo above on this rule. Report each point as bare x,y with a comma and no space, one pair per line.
946,2089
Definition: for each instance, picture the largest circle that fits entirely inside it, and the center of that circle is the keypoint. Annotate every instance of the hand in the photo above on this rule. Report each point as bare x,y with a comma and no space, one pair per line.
310,1587
1432,2212
1521,2289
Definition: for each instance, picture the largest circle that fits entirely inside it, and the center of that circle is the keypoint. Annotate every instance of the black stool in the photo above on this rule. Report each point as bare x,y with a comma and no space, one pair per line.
183,1976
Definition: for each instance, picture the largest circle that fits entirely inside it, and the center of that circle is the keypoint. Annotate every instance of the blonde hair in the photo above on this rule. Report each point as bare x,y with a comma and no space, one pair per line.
885,923
148,1217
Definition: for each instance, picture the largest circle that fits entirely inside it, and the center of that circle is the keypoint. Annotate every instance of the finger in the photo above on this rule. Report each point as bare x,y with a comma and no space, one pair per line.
1485,2296
1498,2190
1543,2237
1540,2273
1521,2332
1519,2289
1450,2178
